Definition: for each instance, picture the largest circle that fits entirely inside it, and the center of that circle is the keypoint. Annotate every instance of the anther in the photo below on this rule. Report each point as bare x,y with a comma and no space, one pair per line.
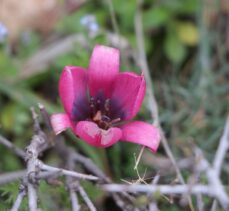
97,116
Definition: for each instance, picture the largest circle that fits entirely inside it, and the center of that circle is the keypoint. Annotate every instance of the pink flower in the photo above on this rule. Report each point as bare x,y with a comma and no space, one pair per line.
99,103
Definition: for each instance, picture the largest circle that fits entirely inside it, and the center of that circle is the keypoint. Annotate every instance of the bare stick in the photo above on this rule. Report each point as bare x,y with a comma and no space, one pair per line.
139,157
74,200
199,202
20,196
90,166
61,171
222,149
11,177
153,104
43,57
143,63
213,179
113,18
86,198
70,185
45,116
163,189
37,145
12,147
214,206
193,180
31,157
153,205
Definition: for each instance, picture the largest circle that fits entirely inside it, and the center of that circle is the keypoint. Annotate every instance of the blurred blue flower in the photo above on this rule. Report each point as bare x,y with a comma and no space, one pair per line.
3,32
90,23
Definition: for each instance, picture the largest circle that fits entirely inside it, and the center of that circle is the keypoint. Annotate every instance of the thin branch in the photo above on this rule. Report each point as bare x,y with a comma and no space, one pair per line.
121,203
153,104
113,18
152,101
90,166
213,179
32,194
214,206
74,200
143,63
65,172
153,205
12,147
20,196
199,202
11,177
69,180
195,179
139,157
43,57
222,149
163,189
46,175
31,158
45,116
85,197
37,145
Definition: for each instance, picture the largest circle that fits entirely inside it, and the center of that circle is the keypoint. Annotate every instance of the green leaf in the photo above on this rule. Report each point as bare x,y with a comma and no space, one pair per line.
7,67
155,17
174,49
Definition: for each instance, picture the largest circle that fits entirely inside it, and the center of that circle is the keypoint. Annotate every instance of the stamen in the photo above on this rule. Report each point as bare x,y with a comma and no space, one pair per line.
115,120
97,116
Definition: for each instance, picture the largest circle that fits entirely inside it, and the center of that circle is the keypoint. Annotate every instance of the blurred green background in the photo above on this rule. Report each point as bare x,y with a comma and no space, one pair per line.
187,47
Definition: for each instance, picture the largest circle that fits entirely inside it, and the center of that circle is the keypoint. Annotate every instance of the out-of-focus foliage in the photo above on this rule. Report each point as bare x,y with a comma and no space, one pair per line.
187,51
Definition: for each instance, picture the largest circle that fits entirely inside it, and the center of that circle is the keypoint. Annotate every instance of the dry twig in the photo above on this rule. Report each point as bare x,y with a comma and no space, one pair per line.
20,196
152,101
12,147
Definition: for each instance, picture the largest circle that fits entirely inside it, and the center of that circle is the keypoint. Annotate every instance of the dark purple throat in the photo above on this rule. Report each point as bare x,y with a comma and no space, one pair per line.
105,112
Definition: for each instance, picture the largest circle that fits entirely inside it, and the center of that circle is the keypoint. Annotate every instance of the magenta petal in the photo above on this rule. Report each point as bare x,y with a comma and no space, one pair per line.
60,122
72,86
103,68
141,133
129,92
92,134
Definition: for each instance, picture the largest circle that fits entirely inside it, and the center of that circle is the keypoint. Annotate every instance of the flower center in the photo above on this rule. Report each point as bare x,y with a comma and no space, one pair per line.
101,112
